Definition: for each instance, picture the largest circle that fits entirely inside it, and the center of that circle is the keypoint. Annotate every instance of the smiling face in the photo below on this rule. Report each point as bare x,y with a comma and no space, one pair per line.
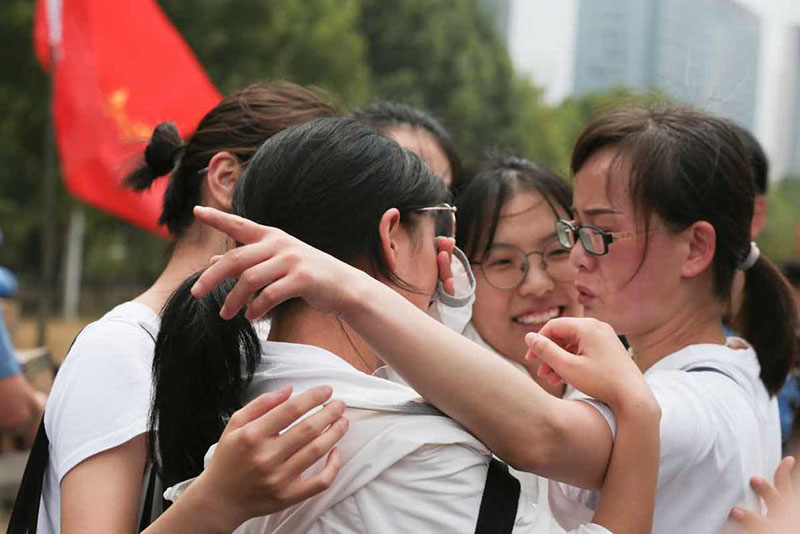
620,288
503,316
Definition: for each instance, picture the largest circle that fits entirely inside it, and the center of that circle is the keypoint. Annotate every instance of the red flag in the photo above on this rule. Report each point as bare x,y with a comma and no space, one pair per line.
118,69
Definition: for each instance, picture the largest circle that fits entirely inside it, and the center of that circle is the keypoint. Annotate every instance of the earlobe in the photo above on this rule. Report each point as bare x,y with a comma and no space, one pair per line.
223,172
702,239
387,230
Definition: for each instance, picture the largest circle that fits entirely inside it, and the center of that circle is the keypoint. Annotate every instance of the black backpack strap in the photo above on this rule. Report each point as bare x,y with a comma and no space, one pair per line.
500,499
703,369
25,514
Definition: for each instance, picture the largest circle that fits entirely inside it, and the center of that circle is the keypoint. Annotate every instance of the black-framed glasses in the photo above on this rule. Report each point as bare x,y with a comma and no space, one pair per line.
595,240
506,266
445,216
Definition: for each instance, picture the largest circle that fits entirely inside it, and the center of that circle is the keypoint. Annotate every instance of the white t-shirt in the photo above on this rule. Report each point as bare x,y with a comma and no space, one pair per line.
406,468
716,433
100,398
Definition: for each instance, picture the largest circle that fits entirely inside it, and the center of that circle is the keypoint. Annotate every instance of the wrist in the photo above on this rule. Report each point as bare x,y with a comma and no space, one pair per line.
640,405
356,295
208,505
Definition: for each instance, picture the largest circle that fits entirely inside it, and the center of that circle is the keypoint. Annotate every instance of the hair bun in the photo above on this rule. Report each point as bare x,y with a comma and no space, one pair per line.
160,157
162,151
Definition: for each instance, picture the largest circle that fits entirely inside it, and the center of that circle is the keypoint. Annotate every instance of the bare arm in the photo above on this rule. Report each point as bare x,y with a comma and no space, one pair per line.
255,471
627,499
517,419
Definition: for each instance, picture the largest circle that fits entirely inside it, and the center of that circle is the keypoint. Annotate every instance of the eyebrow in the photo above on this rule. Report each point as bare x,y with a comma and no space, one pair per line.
598,211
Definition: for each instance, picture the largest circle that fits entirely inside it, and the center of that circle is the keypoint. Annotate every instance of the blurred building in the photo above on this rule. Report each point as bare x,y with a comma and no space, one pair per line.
701,52
793,76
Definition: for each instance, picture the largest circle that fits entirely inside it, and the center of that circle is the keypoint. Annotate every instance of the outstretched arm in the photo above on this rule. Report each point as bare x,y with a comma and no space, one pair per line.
627,498
511,414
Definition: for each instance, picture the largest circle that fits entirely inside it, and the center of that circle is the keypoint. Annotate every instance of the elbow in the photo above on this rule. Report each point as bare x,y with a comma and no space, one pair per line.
534,452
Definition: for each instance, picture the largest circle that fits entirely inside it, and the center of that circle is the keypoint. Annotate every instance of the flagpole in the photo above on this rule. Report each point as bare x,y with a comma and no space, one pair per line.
48,213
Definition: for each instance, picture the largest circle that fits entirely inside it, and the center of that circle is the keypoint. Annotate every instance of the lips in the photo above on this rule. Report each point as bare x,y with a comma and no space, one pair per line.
585,295
533,320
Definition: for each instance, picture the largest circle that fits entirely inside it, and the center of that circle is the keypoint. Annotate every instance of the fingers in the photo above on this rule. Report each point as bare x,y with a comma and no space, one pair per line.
273,422
271,296
767,491
310,429
255,277
241,229
443,261
304,488
307,456
232,264
751,521
261,405
550,353
783,478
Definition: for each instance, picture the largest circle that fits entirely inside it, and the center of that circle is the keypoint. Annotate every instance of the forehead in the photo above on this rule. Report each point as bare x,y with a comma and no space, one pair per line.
602,182
424,145
525,218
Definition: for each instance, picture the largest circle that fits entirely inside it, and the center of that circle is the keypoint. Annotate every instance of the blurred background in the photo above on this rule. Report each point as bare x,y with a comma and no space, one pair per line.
525,75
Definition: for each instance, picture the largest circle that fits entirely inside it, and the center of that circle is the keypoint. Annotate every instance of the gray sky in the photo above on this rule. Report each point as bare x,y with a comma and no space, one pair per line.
542,41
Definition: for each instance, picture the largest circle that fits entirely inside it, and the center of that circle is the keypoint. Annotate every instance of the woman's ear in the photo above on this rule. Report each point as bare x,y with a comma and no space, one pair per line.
701,244
388,229
224,170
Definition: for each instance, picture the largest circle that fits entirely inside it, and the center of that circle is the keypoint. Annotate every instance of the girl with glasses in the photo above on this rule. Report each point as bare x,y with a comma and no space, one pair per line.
665,193
370,209
96,471
507,211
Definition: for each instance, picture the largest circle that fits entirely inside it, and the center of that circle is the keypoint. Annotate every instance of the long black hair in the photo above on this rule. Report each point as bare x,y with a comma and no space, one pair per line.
327,182
688,166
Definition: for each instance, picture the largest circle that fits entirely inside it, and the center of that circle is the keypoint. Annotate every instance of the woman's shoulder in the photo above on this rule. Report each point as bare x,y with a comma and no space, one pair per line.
130,328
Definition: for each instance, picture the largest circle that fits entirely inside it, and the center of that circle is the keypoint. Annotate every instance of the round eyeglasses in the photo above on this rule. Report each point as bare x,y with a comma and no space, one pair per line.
506,266
445,217
595,240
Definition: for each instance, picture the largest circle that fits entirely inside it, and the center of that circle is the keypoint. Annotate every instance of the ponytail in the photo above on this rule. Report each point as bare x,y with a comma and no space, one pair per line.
160,157
201,367
768,319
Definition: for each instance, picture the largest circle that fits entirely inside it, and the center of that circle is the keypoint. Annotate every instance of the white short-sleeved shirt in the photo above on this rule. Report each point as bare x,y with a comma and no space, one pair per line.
406,467
717,432
100,398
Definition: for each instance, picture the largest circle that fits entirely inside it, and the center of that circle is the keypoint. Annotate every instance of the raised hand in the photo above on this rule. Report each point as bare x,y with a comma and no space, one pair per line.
257,466
783,506
271,267
587,354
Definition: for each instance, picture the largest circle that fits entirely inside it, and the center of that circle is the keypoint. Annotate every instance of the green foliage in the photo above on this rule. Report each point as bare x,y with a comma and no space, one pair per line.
444,56
311,42
780,238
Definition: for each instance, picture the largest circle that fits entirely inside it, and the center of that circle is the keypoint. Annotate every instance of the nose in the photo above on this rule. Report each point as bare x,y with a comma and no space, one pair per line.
581,259
536,282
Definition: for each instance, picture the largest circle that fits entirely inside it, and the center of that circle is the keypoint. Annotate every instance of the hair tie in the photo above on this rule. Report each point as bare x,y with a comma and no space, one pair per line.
752,257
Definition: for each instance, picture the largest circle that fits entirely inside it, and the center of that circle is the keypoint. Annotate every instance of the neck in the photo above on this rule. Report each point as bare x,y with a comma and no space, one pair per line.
299,323
192,252
689,326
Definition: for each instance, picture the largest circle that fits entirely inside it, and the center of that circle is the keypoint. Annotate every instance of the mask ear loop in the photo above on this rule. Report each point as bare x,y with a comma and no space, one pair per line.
458,301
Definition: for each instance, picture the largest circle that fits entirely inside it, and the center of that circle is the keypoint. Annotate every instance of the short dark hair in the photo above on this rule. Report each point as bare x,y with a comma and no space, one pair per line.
688,166
494,179
239,124
385,115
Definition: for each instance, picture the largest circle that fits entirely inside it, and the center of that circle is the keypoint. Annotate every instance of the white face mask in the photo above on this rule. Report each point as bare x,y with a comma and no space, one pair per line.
455,311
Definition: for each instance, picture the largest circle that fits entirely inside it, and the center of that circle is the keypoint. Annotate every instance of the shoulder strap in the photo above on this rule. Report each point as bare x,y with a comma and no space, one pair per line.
25,515
706,369
500,499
